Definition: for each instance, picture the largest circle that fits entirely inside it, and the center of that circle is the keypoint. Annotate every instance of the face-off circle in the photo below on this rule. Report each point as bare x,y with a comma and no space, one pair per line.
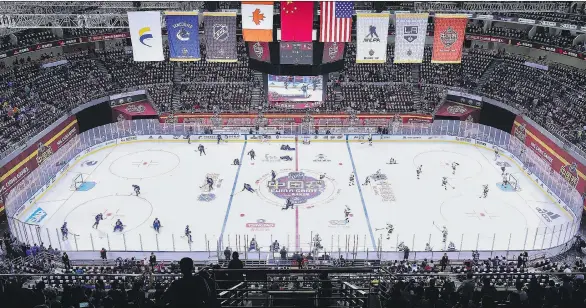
303,188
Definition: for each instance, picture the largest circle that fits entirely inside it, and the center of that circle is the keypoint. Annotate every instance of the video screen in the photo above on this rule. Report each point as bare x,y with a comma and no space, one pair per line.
295,88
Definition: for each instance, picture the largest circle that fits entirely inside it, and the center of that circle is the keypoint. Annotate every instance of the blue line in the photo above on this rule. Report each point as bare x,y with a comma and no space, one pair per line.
361,196
232,193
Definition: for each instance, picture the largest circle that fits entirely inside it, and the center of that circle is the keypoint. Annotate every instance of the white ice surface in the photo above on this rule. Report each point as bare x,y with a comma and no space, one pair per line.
170,176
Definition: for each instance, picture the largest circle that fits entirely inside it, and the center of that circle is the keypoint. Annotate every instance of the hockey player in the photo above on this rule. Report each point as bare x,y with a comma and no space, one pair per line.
156,225
484,191
418,171
236,162
322,176
445,183
219,138
444,235
286,158
201,149
248,187
304,90
366,181
188,138
390,230
288,204
252,154
427,247
392,161
496,153
273,175
253,245
98,218
188,234
286,147
369,139
64,231
347,214
136,189
210,183
505,179
118,226
503,168
454,165
317,243
451,246
351,180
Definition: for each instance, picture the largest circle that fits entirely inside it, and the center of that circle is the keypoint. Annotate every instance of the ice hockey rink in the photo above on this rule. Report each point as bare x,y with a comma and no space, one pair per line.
171,176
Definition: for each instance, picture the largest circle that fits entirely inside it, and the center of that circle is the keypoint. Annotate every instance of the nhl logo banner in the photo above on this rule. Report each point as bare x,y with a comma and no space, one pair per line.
410,37
259,51
448,38
145,34
333,52
220,33
371,36
183,36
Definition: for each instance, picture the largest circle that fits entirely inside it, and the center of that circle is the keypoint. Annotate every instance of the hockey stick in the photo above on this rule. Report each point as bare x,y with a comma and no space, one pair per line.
438,228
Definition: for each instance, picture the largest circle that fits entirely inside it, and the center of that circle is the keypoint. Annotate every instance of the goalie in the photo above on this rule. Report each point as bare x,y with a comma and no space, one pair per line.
286,147
306,140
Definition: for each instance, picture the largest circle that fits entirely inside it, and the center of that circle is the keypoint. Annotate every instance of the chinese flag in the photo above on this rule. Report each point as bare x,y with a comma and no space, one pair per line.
296,21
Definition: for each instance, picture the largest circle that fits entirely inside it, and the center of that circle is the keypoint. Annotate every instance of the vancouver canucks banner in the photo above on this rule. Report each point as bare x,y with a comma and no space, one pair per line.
145,34
371,36
183,36
410,37
220,33
448,38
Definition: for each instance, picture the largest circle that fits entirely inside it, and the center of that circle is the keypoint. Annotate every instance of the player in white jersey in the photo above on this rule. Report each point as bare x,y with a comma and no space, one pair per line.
351,183
366,181
390,230
497,155
392,161
505,179
444,235
419,171
445,183
347,214
454,165
370,140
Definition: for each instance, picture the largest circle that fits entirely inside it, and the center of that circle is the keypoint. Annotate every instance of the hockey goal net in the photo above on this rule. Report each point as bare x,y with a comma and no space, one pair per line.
77,181
513,182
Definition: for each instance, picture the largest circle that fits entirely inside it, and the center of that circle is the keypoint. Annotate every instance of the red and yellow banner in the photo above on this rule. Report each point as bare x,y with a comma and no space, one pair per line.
26,162
448,38
560,161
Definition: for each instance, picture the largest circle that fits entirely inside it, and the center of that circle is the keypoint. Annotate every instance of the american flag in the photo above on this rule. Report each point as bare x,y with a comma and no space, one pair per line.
336,21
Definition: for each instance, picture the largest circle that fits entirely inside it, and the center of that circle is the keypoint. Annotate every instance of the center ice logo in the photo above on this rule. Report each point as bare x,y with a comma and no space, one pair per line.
297,186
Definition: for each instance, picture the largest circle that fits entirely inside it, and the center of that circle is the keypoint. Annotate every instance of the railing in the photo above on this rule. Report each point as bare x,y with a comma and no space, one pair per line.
539,241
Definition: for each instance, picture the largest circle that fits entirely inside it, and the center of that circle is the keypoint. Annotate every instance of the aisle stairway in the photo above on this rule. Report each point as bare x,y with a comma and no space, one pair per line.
488,73
258,96
177,79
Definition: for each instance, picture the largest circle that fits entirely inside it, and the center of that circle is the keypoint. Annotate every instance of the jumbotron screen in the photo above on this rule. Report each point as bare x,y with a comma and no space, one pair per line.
295,88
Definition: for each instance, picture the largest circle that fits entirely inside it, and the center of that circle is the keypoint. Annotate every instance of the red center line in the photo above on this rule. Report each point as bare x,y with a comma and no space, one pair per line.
297,207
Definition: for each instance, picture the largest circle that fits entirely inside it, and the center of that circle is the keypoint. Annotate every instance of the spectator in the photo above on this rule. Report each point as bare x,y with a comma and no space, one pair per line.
66,262
236,264
466,289
444,262
227,253
153,261
283,253
103,254
194,291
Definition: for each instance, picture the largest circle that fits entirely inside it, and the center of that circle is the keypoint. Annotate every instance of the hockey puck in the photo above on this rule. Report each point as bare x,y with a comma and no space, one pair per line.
340,164
242,215
252,163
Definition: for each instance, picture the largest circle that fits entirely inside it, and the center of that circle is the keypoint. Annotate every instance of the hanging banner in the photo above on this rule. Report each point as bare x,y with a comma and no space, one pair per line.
259,51
448,38
257,21
333,52
145,34
220,32
410,37
183,36
371,36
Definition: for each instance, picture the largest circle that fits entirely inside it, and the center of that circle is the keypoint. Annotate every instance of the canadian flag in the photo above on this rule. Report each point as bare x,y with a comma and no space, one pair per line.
257,21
